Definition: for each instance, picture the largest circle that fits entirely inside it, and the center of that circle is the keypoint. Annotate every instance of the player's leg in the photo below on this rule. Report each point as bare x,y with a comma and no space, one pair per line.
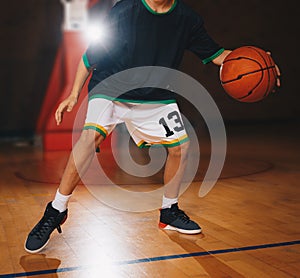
56,211
162,124
174,169
80,159
98,124
171,217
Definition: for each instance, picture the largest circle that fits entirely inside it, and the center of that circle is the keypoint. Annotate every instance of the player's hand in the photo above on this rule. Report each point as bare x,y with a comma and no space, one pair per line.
277,73
66,105
278,76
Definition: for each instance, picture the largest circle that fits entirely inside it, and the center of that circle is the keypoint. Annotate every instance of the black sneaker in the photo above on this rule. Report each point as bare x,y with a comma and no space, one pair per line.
176,220
39,236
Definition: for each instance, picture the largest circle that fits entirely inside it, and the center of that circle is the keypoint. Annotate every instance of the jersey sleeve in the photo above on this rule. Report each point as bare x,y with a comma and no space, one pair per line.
94,55
98,52
201,44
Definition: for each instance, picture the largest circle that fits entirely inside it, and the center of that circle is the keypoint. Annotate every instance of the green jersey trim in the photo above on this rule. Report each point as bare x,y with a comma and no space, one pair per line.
166,101
156,13
214,56
86,61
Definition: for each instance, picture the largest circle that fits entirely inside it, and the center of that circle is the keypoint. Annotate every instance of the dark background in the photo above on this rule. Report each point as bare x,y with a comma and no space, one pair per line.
31,33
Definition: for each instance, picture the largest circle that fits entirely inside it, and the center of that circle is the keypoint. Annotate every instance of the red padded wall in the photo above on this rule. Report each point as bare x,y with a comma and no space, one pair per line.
70,52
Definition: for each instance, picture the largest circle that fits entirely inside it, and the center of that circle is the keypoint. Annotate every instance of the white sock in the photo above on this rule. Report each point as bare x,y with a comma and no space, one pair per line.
60,201
168,202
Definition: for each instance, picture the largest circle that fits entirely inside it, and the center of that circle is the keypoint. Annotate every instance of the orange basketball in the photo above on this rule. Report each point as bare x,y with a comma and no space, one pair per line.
248,74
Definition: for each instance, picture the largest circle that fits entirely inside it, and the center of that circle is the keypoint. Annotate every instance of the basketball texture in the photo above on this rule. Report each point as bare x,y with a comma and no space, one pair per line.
248,74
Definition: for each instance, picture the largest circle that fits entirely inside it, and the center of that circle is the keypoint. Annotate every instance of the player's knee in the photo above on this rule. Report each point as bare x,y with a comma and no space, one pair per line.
180,151
91,137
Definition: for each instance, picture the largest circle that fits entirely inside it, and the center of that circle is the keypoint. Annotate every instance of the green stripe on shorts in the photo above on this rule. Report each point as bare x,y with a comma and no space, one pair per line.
97,128
164,144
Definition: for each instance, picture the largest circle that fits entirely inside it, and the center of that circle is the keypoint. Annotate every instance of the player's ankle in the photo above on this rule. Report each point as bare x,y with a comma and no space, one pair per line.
60,201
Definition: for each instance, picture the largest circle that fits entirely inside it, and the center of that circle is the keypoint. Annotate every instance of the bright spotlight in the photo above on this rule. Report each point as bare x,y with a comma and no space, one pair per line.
95,32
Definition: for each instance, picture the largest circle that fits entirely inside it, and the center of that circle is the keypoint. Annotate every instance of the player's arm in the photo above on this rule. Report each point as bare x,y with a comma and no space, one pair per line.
81,76
203,45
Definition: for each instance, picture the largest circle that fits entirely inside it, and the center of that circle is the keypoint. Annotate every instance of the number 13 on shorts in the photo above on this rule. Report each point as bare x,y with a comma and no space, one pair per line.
157,125
172,116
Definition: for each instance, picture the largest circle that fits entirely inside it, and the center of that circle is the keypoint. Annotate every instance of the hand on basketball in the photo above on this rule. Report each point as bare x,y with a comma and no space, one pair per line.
66,105
277,72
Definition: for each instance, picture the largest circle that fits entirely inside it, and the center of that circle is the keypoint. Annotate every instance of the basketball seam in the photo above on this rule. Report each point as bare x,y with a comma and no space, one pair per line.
245,74
240,76
265,64
268,76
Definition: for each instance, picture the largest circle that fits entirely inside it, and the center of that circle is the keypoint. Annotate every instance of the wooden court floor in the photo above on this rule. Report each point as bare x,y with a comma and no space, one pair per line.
250,219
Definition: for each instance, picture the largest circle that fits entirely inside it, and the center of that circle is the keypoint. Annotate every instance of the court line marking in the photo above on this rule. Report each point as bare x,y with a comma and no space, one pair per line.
155,259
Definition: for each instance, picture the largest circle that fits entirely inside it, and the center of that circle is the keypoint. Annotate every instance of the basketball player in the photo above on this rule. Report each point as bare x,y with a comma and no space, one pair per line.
143,33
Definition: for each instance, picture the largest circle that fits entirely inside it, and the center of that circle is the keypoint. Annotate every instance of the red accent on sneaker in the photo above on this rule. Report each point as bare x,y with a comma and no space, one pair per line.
64,220
162,225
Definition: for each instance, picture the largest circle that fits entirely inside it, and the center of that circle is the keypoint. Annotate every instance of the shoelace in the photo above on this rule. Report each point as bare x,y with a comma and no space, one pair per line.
181,214
44,227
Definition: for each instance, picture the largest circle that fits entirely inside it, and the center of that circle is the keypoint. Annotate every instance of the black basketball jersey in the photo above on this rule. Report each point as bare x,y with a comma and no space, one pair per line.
138,36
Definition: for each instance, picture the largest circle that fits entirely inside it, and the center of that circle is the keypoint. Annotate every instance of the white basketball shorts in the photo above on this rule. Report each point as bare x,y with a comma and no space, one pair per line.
148,124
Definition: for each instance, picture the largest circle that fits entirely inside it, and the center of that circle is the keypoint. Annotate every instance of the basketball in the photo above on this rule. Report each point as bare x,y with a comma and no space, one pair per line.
248,74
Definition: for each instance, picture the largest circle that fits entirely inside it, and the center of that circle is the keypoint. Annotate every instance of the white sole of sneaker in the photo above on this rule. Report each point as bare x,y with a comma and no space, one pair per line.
188,232
37,250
